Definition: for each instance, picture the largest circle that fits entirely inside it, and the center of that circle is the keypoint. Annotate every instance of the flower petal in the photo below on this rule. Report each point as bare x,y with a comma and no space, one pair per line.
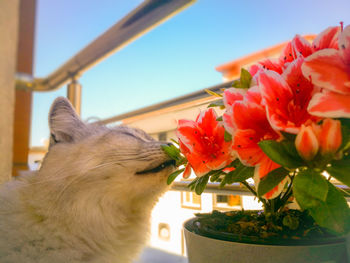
328,38
206,120
232,95
271,64
330,104
245,143
261,170
301,46
344,46
328,70
187,171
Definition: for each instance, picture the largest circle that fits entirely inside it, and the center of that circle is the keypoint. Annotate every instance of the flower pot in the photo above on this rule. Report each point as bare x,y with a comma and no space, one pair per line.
201,249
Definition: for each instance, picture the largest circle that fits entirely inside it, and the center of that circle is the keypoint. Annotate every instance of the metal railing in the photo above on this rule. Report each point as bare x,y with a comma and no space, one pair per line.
139,21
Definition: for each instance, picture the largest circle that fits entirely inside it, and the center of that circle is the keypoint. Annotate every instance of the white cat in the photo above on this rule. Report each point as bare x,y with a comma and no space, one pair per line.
90,201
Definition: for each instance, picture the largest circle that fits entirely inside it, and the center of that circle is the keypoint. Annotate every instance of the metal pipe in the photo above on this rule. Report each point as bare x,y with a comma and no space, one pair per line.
139,21
74,95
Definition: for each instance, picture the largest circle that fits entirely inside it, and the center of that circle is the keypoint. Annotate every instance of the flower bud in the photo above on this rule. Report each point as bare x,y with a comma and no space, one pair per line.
330,137
187,171
306,143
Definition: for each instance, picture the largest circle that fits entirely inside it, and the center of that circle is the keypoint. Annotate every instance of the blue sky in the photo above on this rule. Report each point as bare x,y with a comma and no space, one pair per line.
176,58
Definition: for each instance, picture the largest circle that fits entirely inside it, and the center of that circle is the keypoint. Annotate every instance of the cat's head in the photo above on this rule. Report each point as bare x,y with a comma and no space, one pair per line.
94,157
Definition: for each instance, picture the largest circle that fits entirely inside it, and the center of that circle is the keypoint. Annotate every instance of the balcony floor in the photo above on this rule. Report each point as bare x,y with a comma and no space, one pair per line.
153,255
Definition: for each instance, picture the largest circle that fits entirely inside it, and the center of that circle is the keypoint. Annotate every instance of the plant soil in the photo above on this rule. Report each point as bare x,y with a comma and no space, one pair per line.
291,227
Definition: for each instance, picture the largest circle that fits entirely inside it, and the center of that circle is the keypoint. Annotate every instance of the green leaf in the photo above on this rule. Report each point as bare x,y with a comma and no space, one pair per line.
173,176
288,136
334,213
283,153
172,151
340,169
219,118
310,188
213,93
227,137
345,131
245,79
192,184
201,184
215,176
218,103
240,174
271,180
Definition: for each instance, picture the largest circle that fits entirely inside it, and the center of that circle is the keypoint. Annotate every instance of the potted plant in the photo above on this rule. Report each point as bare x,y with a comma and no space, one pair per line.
285,126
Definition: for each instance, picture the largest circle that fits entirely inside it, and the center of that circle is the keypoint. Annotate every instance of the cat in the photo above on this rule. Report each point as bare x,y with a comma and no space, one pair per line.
92,198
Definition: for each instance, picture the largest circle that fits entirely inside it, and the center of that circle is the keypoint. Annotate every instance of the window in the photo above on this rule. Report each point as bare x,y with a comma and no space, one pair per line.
191,200
227,202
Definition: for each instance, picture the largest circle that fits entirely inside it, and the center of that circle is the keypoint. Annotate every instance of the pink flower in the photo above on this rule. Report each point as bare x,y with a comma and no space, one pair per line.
203,144
330,69
286,97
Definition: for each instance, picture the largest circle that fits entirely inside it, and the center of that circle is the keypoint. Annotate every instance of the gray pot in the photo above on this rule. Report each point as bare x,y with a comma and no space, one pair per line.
202,249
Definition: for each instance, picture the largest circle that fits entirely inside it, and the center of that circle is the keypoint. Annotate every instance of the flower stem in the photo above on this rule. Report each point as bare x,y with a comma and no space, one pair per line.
254,192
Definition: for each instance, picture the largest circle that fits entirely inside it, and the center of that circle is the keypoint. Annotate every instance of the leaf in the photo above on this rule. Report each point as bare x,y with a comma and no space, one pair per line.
176,142
201,184
334,213
173,176
227,137
172,151
340,169
218,103
192,184
213,93
219,118
345,131
310,188
288,136
271,180
245,79
240,174
283,153
215,176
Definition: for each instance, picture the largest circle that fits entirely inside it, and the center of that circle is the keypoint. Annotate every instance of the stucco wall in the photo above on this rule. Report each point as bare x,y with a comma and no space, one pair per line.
9,10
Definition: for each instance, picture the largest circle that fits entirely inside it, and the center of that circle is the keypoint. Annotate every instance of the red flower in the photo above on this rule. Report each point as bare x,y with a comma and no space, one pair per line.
247,119
330,69
203,144
286,97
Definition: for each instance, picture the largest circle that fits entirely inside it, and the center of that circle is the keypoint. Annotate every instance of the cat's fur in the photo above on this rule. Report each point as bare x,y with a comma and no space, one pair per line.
90,201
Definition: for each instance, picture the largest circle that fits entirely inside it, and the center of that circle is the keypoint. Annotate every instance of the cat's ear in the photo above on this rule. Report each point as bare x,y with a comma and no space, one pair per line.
65,124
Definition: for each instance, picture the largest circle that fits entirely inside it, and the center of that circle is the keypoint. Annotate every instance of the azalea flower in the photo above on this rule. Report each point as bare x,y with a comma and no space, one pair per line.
286,97
203,143
330,69
246,117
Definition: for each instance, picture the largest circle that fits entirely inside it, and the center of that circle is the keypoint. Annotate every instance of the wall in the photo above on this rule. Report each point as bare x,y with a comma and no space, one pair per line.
9,14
